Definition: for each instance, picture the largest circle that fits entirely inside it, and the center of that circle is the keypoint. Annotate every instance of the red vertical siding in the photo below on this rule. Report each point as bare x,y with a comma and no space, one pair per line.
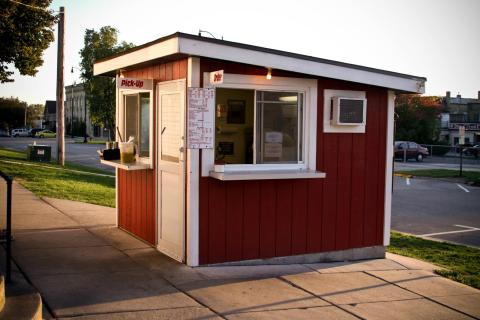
344,186
286,217
234,221
283,235
217,222
251,220
268,221
136,189
299,216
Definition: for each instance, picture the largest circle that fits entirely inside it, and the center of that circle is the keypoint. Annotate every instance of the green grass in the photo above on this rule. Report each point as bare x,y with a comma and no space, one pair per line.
462,263
51,180
470,176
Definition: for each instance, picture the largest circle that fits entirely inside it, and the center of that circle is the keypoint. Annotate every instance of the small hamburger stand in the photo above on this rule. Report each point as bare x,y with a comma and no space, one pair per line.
248,155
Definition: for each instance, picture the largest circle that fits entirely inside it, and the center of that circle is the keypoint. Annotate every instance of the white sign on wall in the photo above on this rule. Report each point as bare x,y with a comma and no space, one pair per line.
134,84
216,77
200,118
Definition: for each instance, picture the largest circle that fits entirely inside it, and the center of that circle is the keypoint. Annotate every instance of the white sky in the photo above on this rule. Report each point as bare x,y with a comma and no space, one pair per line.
437,39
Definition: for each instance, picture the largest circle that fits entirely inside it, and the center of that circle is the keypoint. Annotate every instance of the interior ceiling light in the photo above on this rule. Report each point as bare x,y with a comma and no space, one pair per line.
288,99
269,74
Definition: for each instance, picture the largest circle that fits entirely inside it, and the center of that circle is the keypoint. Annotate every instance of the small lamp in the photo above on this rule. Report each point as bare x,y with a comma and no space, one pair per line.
269,74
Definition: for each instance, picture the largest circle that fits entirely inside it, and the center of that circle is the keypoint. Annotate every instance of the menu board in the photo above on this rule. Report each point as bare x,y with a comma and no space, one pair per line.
200,118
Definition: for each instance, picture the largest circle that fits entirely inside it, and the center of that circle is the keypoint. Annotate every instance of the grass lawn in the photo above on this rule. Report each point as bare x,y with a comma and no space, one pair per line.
74,182
470,176
463,263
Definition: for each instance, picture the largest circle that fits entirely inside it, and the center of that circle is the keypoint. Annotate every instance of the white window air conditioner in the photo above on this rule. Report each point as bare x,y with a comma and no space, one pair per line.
349,111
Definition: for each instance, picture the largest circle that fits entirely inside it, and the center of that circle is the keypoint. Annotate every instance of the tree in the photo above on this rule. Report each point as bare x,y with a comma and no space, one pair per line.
100,90
12,113
34,114
25,32
417,118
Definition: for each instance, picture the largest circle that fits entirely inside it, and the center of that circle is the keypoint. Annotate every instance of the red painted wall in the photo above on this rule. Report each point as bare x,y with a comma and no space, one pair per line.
263,219
136,189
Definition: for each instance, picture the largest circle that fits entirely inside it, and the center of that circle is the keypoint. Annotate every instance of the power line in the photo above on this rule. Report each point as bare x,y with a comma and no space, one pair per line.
33,7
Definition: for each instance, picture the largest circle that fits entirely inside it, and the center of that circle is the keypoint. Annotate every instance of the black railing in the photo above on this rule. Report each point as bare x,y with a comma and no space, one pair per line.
7,233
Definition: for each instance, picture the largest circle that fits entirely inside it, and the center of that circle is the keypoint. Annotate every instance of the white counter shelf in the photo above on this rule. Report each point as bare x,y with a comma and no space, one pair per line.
126,166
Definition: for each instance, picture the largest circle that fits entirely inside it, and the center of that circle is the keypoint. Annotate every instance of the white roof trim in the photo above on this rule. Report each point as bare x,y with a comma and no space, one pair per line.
155,51
274,61
227,52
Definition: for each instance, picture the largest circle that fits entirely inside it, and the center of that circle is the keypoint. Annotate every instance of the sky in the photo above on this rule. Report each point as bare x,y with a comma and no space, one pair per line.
436,39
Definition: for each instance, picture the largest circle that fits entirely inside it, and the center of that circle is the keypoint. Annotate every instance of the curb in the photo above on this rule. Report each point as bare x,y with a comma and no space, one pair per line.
403,175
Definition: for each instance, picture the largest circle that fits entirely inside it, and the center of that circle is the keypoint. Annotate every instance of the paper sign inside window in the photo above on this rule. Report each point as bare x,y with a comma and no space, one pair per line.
272,150
273,144
274,137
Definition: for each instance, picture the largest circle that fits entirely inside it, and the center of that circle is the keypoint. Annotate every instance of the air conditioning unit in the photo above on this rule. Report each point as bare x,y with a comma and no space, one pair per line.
349,111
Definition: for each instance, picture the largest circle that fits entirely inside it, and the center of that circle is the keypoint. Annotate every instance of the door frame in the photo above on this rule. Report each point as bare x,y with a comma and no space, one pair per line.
164,247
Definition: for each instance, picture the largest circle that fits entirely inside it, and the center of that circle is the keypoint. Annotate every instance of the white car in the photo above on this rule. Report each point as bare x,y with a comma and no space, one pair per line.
20,132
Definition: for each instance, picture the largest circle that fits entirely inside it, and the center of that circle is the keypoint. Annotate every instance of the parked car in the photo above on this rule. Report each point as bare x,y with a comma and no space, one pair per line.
412,150
46,134
462,146
34,131
20,132
472,151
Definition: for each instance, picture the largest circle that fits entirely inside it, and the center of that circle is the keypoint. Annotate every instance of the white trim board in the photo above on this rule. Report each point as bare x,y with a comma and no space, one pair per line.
388,169
192,182
224,51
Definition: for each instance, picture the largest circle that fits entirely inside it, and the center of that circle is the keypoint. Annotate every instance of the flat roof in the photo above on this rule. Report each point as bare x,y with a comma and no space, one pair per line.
183,44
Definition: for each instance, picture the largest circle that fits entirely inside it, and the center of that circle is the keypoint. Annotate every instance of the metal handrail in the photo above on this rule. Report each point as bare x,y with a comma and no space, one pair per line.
8,234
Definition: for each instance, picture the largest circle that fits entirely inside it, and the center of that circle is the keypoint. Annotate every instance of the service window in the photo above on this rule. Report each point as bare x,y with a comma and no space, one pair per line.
258,126
264,129
137,121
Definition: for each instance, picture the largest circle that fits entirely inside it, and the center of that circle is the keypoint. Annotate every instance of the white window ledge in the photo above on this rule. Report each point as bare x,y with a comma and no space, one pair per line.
266,175
126,166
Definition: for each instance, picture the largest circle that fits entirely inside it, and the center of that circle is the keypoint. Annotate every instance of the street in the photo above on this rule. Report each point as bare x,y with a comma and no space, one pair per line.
440,209
79,153
452,163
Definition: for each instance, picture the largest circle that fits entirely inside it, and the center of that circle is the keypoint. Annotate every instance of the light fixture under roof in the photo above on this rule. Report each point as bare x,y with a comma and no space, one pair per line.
269,74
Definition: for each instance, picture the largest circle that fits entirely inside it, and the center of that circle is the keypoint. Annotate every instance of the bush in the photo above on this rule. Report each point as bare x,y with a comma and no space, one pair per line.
440,150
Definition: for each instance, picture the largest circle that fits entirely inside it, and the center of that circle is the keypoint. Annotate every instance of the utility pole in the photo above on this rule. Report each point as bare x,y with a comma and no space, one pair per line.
60,85
85,113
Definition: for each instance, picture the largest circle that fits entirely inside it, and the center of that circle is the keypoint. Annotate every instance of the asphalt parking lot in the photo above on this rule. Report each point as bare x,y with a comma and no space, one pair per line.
441,209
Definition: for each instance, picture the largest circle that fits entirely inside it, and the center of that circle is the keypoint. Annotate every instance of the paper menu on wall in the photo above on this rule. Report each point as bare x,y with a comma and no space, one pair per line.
200,118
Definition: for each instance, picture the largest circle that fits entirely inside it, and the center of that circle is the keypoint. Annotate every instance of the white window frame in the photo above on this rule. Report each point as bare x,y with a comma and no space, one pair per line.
306,86
121,122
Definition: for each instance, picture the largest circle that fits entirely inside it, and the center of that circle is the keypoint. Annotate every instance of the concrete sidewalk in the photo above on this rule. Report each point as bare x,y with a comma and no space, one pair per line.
85,268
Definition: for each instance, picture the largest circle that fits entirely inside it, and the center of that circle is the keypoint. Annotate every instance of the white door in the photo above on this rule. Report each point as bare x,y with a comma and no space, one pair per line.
171,168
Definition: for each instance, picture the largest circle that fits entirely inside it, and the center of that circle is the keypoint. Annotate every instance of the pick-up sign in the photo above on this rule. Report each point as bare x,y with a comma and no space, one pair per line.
135,84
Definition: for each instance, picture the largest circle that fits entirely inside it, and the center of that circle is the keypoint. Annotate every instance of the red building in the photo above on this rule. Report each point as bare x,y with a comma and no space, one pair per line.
252,155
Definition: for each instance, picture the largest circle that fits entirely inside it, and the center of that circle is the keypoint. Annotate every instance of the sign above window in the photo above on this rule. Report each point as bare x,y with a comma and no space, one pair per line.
134,84
216,77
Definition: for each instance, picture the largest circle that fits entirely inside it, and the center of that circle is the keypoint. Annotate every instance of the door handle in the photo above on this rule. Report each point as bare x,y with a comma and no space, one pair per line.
181,149
163,130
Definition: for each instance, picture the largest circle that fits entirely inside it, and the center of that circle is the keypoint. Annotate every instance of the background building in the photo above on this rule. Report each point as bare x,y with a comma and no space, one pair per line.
457,112
50,115
77,114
